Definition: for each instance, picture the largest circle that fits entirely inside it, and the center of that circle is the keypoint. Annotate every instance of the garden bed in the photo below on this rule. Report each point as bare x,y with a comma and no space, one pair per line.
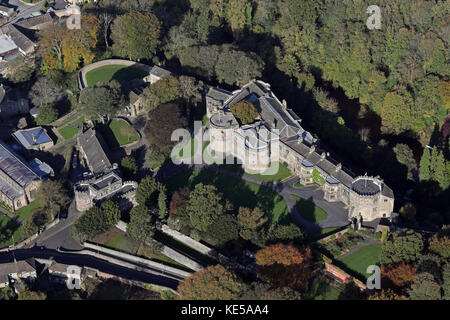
338,246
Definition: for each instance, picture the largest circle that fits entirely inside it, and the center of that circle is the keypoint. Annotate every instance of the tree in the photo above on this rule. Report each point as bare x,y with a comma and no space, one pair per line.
245,112
46,114
44,92
283,265
386,294
212,283
148,191
31,295
111,212
104,98
400,274
29,228
288,232
408,212
136,35
446,281
163,91
78,44
40,218
250,222
142,224
162,205
238,13
405,156
93,222
223,229
424,171
161,123
205,206
424,287
283,293
401,246
54,196
129,166
439,243
20,69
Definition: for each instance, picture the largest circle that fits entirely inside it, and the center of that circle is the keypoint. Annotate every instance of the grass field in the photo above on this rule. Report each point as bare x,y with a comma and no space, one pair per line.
26,212
308,210
68,132
361,259
118,133
239,192
113,72
321,290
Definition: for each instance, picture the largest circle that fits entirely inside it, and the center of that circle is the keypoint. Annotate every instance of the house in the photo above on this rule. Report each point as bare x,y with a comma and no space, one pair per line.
37,22
107,186
12,271
277,136
156,74
18,181
6,11
33,138
8,49
94,150
12,102
25,45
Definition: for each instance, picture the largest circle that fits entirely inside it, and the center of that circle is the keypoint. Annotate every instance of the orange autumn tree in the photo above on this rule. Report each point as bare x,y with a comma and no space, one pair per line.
387,294
284,265
213,283
399,274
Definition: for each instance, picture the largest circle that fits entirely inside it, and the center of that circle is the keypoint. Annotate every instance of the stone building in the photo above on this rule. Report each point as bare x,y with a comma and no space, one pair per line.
12,271
106,182
278,136
33,138
18,180
107,186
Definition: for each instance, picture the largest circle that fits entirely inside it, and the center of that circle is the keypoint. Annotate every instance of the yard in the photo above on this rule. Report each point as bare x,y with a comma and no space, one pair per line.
71,126
118,133
321,290
239,192
308,210
114,72
361,259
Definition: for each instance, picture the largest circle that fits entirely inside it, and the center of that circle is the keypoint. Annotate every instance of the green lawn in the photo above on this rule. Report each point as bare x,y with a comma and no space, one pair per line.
68,132
118,133
26,212
361,259
273,175
113,72
308,210
239,192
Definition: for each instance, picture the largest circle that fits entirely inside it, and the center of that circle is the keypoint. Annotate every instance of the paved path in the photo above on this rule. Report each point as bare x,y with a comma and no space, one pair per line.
366,242
336,212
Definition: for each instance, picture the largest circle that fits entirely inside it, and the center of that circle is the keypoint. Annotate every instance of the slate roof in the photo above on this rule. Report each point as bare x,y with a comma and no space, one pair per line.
15,167
160,72
6,9
218,94
257,134
35,21
13,267
42,169
26,137
95,150
21,40
6,44
365,187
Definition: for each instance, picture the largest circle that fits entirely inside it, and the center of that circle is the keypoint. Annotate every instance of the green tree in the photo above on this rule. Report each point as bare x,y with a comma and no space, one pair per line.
111,212
401,246
405,156
223,229
205,206
136,35
46,114
245,112
29,228
142,224
424,287
148,191
408,212
163,91
104,98
54,196
250,222
439,243
425,161
129,166
20,69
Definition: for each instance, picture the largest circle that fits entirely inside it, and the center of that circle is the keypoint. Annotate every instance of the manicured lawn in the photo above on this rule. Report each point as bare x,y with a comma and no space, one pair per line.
26,212
308,210
113,72
273,175
239,192
361,259
118,133
68,132
8,224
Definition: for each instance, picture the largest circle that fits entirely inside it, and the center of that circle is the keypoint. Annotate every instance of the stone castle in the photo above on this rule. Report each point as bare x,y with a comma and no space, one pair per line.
278,136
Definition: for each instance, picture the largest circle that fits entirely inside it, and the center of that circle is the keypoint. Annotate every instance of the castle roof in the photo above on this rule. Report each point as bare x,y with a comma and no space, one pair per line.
95,148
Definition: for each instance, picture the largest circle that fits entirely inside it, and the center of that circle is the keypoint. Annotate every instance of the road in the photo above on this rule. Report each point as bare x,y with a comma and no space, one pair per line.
88,261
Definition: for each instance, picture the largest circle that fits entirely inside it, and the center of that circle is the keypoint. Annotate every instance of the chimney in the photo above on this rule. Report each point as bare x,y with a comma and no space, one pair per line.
338,167
34,137
312,149
284,104
323,155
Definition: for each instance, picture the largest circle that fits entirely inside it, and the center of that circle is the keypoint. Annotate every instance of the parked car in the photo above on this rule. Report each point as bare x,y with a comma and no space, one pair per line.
75,160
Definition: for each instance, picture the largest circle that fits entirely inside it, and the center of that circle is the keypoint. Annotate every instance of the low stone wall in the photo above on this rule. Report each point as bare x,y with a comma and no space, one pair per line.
82,73
342,277
169,252
142,261
334,235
